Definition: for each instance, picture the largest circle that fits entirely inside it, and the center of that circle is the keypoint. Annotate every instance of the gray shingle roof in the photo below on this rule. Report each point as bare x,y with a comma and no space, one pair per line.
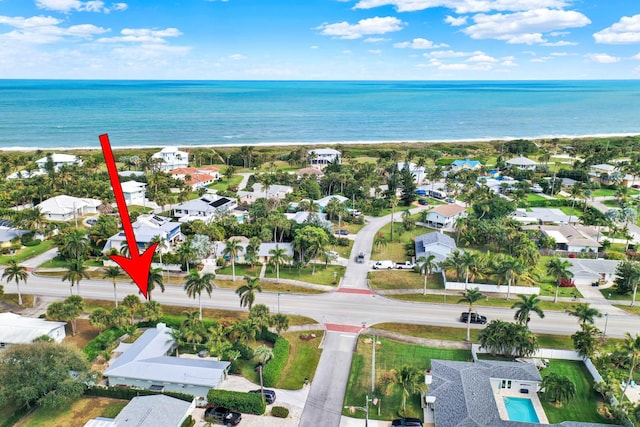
153,411
435,243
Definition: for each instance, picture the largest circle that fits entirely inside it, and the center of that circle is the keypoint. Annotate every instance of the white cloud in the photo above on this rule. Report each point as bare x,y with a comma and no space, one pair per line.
450,54
375,51
602,58
456,21
420,43
559,43
559,54
142,35
508,61
237,57
464,6
454,67
636,56
375,40
314,47
80,6
524,27
626,30
364,27
482,58
45,29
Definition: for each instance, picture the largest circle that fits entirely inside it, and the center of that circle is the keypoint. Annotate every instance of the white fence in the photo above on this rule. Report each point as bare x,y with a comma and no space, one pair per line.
483,287
165,267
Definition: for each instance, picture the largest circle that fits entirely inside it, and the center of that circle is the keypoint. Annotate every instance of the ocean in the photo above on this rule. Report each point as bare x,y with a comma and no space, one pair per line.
66,114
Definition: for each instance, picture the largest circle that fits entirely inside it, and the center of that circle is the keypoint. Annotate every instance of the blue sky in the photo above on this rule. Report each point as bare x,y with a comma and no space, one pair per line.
320,39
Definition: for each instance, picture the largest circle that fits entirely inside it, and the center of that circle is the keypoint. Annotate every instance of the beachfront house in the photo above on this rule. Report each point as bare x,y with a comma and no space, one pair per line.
466,164
66,208
148,411
437,244
134,192
170,158
16,329
147,364
57,161
321,157
522,163
146,228
205,208
445,216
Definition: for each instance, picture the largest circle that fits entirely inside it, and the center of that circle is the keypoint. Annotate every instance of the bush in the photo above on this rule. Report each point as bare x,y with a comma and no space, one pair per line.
102,342
267,335
567,283
279,412
32,243
130,393
249,403
188,422
274,367
614,255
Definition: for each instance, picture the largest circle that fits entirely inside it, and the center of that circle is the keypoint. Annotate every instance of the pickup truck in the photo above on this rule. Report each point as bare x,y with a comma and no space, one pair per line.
382,265
407,265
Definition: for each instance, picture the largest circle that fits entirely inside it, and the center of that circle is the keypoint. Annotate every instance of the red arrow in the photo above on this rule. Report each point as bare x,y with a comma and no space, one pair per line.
137,267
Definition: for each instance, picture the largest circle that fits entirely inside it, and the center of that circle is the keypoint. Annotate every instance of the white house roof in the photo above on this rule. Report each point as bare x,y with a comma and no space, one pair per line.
10,233
266,247
521,161
64,204
324,151
146,360
593,268
325,200
16,329
59,158
153,411
604,167
132,186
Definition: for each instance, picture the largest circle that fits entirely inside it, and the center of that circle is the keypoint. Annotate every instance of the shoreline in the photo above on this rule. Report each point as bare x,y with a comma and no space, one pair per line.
328,143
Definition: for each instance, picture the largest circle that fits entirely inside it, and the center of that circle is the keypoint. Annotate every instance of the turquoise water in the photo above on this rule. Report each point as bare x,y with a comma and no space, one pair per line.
68,114
520,409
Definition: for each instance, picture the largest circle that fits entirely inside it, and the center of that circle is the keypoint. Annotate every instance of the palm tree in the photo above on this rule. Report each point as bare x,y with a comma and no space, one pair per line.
559,269
585,314
586,340
454,262
277,257
177,336
525,306
155,278
162,244
511,270
245,331
16,272
379,242
280,322
152,310
196,283
113,273
232,249
470,296
186,253
426,265
393,203
467,260
132,302
247,292
74,244
558,389
99,318
410,380
263,354
76,271
192,328
631,347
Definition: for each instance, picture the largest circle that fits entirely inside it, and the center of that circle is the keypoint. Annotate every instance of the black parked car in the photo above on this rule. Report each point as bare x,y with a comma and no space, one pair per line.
423,202
342,232
408,422
269,395
223,416
475,318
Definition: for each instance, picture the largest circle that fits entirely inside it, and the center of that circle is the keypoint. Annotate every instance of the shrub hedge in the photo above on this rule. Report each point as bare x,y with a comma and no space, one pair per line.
279,412
130,393
101,342
188,422
274,367
249,403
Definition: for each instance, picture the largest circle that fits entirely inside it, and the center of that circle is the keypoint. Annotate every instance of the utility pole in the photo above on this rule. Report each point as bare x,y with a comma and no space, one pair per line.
373,363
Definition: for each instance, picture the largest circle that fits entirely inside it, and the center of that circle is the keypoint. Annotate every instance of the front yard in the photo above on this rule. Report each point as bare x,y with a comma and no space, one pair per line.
323,275
78,414
403,279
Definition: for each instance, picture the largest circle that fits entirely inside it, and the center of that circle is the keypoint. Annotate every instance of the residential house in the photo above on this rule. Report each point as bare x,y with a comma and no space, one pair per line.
310,172
571,238
311,218
275,191
417,171
437,244
58,160
586,270
445,216
522,163
25,174
465,164
544,216
145,229
498,184
263,251
65,208
7,234
322,203
16,329
170,158
205,208
196,178
321,157
264,254
607,174
146,364
134,192
148,411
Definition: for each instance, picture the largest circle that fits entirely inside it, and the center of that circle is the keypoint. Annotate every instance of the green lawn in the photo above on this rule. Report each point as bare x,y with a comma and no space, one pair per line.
28,252
453,297
583,407
403,279
223,184
81,411
303,360
139,209
323,275
267,287
241,270
534,198
395,250
61,263
390,355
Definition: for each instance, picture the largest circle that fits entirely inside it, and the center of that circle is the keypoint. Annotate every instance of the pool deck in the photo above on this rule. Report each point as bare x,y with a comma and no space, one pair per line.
499,394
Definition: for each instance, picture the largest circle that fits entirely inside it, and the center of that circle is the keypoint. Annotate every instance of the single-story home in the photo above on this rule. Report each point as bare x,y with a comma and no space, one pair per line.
322,203
16,329
65,208
310,172
438,244
522,163
195,177
311,218
263,251
465,164
275,191
571,238
148,411
205,208
145,229
587,270
146,364
171,158
445,216
544,216
7,234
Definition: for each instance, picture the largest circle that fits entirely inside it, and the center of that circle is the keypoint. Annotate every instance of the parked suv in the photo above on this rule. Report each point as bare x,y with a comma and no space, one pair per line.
408,422
223,416
360,257
269,395
475,318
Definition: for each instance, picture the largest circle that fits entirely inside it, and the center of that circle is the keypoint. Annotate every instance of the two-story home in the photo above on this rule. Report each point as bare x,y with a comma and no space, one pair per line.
607,174
171,158
445,216
58,160
466,164
205,208
417,171
321,157
134,192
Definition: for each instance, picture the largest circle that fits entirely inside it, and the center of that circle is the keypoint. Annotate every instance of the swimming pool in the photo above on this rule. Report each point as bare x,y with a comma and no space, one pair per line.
520,409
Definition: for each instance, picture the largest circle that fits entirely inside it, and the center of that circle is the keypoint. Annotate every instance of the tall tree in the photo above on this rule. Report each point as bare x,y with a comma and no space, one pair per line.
631,347
277,257
232,249
74,244
155,278
425,266
471,296
525,306
132,302
247,293
17,273
67,311
558,389
559,269
410,380
262,354
585,314
586,340
113,273
76,271
196,284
